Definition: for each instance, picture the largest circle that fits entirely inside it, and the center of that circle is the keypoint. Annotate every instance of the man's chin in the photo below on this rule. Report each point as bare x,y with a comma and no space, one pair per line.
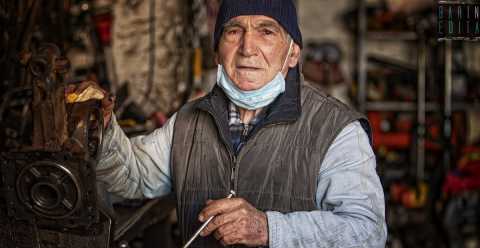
248,85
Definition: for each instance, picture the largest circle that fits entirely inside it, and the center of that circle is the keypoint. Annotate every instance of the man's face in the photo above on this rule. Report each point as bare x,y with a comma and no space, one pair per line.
253,49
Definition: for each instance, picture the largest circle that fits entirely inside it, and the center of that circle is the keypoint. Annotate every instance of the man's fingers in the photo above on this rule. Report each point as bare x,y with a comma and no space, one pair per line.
85,84
70,88
219,221
231,239
225,230
108,102
236,222
79,88
219,207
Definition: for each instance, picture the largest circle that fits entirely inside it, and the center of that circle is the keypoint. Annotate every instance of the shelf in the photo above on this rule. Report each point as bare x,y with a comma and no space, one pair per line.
399,106
392,35
457,106
400,140
391,63
412,106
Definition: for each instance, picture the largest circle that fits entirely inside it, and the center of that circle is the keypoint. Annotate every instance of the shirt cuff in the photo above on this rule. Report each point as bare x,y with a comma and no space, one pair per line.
274,222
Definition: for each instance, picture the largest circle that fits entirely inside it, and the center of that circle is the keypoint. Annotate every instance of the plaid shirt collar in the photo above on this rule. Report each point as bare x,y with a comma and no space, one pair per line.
239,131
236,124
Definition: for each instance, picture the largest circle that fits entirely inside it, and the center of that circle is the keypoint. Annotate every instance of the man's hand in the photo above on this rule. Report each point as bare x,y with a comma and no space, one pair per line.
107,101
236,222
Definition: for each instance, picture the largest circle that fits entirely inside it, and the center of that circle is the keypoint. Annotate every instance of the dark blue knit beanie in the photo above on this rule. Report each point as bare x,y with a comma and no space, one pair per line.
283,11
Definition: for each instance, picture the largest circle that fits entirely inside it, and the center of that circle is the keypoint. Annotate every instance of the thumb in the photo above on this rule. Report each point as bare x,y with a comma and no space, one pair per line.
108,102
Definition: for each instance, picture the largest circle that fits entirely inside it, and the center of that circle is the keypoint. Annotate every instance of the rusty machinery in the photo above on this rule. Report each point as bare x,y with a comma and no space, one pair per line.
48,193
49,197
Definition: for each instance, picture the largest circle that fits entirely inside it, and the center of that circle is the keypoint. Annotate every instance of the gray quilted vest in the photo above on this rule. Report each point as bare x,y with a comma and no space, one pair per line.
277,168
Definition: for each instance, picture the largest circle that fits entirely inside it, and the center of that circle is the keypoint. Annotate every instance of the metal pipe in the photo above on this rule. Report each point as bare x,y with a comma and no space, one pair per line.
447,125
362,56
421,101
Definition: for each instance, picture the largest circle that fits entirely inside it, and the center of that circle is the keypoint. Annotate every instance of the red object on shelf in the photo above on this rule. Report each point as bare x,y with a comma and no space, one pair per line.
404,125
403,139
392,140
397,190
469,164
467,175
455,184
103,24
471,149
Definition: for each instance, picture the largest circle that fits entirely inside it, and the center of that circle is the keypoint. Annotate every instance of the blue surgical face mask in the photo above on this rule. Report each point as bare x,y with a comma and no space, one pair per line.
253,99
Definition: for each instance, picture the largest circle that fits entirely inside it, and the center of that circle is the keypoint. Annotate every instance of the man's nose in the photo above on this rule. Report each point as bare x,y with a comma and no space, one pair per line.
249,46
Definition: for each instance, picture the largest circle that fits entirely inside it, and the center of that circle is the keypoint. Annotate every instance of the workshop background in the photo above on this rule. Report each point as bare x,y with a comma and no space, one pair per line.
421,95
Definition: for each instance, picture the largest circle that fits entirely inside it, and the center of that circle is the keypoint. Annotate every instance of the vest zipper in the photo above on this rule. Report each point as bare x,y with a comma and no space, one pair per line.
244,131
234,158
232,175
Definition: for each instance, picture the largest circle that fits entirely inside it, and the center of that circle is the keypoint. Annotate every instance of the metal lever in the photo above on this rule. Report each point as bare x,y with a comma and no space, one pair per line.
232,194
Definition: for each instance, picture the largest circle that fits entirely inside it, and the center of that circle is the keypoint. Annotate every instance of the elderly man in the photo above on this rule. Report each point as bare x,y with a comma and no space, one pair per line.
299,161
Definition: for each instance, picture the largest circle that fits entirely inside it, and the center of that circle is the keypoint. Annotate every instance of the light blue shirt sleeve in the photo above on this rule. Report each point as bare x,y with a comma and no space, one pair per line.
350,201
349,195
138,167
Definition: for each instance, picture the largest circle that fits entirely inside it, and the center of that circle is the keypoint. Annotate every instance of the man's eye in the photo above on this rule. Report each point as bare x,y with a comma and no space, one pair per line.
267,32
232,32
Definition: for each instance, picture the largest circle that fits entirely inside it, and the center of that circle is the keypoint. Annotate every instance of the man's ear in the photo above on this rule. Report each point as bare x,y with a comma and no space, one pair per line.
217,60
294,56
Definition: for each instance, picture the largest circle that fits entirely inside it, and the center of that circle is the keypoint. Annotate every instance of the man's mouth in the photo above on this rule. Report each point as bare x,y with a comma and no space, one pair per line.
247,68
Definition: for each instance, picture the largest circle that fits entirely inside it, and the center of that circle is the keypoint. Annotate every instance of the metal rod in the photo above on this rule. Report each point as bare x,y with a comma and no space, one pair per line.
232,193
448,77
421,130
447,126
362,56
